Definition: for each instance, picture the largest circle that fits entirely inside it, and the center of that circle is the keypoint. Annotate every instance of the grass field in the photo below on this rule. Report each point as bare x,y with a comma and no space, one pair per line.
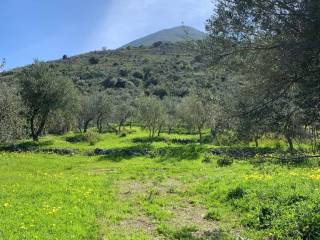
165,194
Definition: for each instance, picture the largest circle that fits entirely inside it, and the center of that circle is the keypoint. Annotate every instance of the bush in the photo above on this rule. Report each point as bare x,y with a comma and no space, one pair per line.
212,215
208,157
157,44
75,139
93,60
124,72
309,224
123,134
138,75
160,92
236,193
226,138
223,162
110,82
92,137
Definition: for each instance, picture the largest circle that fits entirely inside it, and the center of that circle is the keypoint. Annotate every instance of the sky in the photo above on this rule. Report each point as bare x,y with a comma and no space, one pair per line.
48,29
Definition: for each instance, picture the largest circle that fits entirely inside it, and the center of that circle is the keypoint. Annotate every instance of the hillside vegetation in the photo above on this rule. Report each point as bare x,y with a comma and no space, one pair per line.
162,69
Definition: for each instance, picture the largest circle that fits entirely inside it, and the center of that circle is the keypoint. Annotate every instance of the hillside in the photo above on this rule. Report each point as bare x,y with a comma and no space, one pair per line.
173,35
168,69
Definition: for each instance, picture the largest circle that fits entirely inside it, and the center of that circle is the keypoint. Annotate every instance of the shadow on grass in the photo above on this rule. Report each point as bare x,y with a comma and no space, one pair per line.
179,153
191,233
266,154
146,140
28,146
119,154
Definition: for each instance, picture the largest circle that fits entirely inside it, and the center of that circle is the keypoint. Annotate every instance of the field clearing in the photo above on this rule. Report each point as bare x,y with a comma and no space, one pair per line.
171,196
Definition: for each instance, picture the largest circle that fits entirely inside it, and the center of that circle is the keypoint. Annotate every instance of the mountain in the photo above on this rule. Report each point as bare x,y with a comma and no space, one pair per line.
171,69
173,35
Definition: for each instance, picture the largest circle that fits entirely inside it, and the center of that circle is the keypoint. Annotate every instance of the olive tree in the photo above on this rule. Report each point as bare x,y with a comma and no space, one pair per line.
103,108
171,118
274,45
87,113
123,108
11,121
151,114
43,91
195,112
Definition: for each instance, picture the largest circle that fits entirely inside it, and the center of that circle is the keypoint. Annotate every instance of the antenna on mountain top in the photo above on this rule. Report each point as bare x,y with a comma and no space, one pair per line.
185,30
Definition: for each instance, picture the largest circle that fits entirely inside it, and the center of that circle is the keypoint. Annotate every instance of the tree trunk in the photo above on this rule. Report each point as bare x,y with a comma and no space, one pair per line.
200,135
85,127
36,132
256,140
33,135
119,128
159,131
290,142
99,124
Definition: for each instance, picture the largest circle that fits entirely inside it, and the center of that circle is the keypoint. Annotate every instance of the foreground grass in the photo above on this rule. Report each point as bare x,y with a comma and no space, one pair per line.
175,196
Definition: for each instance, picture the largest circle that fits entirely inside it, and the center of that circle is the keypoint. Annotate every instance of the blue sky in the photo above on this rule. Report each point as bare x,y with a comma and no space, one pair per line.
47,29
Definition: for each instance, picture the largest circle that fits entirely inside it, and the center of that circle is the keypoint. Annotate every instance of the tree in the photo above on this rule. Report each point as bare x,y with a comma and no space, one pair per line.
123,108
43,91
171,116
93,60
151,114
104,110
11,121
87,113
195,112
273,46
64,119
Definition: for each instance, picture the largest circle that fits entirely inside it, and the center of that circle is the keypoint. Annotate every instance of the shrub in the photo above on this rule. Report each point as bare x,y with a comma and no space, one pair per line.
265,217
226,138
208,157
160,92
110,82
75,139
92,137
212,215
124,72
138,75
223,162
123,134
236,193
93,60
157,44
309,224
198,58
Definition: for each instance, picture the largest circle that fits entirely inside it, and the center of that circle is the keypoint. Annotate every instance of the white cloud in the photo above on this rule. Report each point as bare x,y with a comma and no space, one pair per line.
126,20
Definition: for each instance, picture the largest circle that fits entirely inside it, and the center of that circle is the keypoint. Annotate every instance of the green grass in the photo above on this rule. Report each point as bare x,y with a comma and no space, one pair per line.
171,196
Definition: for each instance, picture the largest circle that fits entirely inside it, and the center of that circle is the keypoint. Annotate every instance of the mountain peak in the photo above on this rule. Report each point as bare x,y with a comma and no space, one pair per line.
175,34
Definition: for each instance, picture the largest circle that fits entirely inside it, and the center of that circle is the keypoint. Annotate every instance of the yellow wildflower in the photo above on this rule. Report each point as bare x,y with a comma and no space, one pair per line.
6,205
